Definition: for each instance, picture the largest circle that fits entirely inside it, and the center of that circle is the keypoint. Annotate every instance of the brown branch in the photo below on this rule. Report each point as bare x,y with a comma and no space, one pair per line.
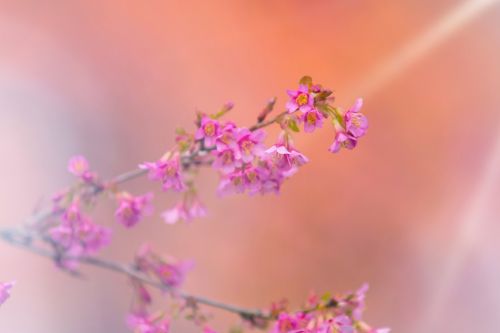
26,242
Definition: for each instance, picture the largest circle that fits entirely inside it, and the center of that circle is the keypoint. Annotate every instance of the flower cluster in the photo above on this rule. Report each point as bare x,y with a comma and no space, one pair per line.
5,291
327,315
76,235
245,165
79,167
168,171
242,159
240,154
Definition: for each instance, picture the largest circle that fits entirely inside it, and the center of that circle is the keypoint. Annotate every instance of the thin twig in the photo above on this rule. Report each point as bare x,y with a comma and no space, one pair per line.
26,242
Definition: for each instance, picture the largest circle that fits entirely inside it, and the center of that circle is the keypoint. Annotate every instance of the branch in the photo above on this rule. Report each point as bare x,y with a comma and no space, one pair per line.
26,242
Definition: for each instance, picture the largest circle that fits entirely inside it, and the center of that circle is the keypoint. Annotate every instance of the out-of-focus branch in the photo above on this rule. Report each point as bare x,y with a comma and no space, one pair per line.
26,242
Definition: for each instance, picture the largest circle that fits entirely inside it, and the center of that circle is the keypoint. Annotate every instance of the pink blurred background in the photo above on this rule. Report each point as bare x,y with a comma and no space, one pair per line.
413,211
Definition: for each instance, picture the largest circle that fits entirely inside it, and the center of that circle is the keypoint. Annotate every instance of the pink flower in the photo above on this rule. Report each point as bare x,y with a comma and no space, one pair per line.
209,130
169,270
226,160
340,324
250,144
173,272
343,140
131,209
356,303
312,119
146,323
356,123
167,171
62,235
79,166
72,214
291,322
227,137
207,329
286,159
5,291
232,183
185,210
300,99
91,237
354,126
270,176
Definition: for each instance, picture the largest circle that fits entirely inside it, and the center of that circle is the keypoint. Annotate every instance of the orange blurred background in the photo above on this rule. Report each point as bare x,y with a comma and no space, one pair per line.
413,210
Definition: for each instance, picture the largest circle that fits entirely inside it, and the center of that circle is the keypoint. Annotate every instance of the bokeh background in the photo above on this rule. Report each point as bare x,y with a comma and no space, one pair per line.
413,211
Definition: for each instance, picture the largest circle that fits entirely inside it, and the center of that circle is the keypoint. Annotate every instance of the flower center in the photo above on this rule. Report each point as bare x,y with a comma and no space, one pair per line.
227,157
237,181
127,212
252,176
226,138
356,120
209,129
311,118
171,171
247,146
302,99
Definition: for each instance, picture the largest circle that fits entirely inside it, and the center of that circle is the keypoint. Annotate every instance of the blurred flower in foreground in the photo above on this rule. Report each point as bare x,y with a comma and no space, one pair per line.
5,291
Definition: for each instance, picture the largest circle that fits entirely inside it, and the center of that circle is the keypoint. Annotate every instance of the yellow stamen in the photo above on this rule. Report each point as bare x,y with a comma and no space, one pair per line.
302,99
209,129
311,118
247,146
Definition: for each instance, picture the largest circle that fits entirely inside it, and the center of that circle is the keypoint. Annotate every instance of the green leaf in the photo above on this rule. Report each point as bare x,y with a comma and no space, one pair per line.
292,124
326,297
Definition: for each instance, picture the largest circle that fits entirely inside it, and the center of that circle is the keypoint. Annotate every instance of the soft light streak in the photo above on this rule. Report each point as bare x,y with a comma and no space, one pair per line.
473,216
422,44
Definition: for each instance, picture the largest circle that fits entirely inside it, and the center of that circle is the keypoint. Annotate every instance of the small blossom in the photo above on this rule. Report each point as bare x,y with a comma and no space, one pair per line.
79,166
226,160
185,210
250,144
339,324
131,209
91,237
343,140
291,322
227,137
286,159
356,122
300,99
62,235
169,270
173,272
312,119
232,183
146,323
209,130
354,126
5,288
72,214
167,171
